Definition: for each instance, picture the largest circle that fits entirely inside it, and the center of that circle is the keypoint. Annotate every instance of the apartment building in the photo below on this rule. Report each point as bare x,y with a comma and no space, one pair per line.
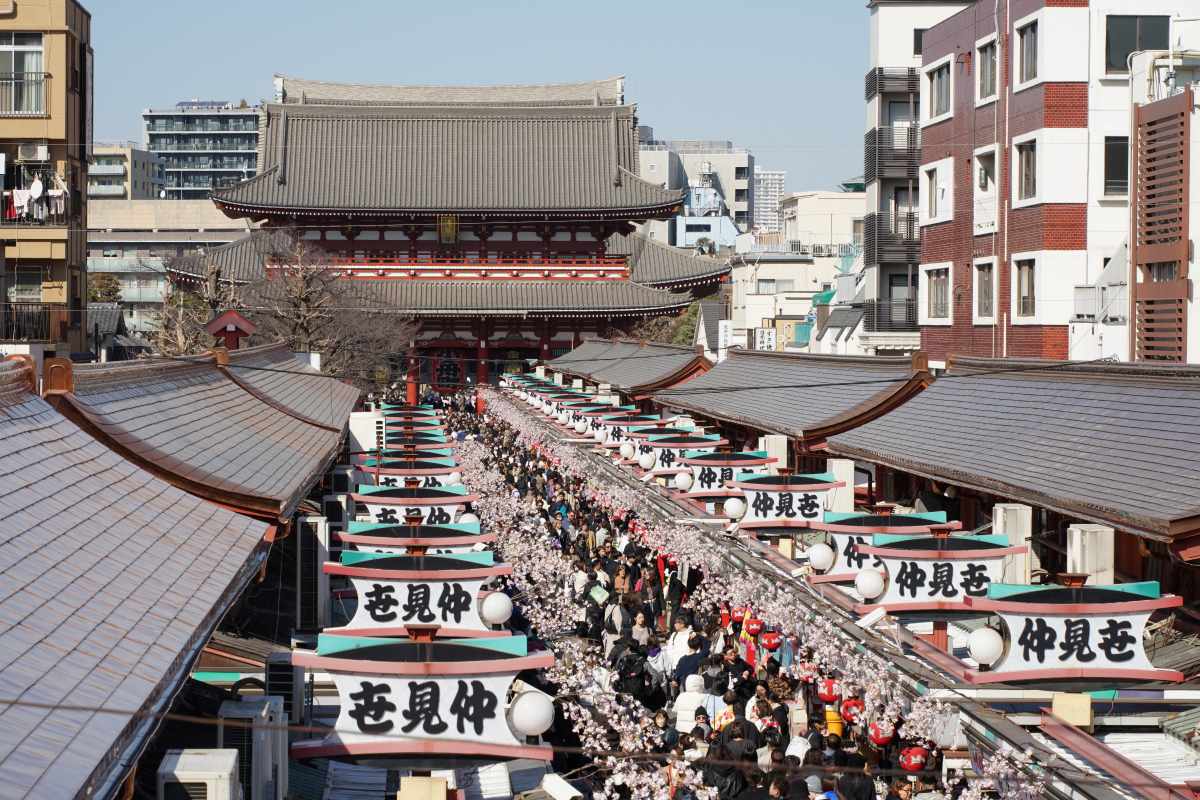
205,145
887,285
45,132
125,172
716,164
1024,178
769,188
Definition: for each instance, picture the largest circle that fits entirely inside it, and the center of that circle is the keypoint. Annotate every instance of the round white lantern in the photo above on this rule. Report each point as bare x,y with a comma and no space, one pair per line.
683,481
468,519
985,645
454,479
599,435
563,416
869,583
496,608
646,460
821,557
548,409
531,713
735,507
581,426
627,450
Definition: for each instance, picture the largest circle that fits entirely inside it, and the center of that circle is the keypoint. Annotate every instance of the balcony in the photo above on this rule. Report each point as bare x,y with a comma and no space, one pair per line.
890,316
33,322
106,171
891,239
100,190
23,94
887,80
892,152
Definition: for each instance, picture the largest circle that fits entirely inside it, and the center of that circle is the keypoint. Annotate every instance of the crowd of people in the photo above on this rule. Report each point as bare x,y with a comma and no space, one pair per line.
736,710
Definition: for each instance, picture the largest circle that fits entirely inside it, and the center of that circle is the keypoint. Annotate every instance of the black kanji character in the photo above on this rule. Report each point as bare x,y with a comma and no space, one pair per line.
787,506
666,458
708,477
1036,637
1115,640
726,475
851,555
371,702
438,516
911,578
975,580
473,707
431,481
943,580
417,604
387,515
388,480
1076,641
424,698
763,504
453,601
809,507
380,602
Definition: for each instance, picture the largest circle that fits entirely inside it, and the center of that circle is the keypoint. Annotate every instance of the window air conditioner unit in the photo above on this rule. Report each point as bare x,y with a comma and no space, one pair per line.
338,510
341,479
33,151
255,728
287,681
312,583
199,775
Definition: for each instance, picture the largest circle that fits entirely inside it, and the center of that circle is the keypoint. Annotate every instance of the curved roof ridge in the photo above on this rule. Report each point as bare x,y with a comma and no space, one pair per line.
656,264
1143,369
605,91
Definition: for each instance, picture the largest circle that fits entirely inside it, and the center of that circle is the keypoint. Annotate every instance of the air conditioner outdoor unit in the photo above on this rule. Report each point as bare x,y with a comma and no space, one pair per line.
338,510
254,728
367,431
341,478
199,775
33,152
312,583
285,680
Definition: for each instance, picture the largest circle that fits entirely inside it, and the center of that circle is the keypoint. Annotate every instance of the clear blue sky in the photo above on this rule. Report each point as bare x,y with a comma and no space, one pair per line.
782,78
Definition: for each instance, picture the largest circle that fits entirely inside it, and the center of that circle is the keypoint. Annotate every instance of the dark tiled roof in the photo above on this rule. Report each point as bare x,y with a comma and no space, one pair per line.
434,298
110,582
1113,444
842,321
657,264
711,312
192,421
240,261
798,395
627,365
386,160
275,373
107,316
606,92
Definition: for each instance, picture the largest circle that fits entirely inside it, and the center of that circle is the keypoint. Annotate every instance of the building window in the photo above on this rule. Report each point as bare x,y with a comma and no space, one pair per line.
987,71
1027,171
939,91
741,173
1116,165
939,293
1026,297
856,227
1130,34
764,286
741,195
918,40
22,81
931,177
985,294
695,227
1028,37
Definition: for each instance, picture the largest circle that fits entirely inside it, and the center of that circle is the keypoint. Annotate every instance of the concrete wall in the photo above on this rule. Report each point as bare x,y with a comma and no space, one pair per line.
822,217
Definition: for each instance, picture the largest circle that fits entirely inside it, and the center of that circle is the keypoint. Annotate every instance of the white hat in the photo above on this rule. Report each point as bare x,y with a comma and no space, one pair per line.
693,683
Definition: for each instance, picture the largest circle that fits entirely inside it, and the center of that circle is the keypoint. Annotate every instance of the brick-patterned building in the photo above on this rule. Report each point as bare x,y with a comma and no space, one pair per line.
1024,169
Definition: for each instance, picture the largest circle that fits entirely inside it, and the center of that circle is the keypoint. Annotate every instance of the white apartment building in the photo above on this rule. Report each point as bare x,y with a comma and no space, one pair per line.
716,164
769,188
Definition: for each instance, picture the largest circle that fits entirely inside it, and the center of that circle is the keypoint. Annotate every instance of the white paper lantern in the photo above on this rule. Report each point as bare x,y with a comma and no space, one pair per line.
821,557
599,435
627,450
735,507
531,713
454,479
563,417
548,409
581,426
683,481
496,608
869,583
468,519
646,460
986,645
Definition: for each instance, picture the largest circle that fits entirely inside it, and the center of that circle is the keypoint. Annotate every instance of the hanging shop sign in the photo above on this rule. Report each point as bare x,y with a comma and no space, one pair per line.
773,500
432,472
617,427
846,531
668,449
712,474
933,573
641,435
391,506
1071,633
373,537
429,702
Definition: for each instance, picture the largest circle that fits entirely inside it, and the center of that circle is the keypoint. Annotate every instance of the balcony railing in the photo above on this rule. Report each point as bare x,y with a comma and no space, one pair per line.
102,190
107,170
890,316
892,152
47,211
887,80
33,322
891,239
23,94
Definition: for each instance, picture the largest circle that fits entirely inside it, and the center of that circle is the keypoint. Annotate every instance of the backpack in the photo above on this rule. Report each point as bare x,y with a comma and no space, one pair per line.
609,625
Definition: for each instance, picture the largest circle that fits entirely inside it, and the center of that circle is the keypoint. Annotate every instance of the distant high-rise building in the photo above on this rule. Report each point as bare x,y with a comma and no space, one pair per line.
205,145
768,192
124,172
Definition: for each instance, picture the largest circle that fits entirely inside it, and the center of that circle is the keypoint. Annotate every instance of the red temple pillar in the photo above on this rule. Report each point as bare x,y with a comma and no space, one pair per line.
481,374
412,395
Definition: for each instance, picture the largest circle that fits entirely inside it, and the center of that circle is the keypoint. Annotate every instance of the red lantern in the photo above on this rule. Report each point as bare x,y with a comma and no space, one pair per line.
828,690
725,617
738,613
913,759
771,640
754,626
875,732
852,709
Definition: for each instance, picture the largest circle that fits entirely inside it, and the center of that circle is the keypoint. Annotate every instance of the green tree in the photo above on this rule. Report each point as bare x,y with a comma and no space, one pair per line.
103,287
